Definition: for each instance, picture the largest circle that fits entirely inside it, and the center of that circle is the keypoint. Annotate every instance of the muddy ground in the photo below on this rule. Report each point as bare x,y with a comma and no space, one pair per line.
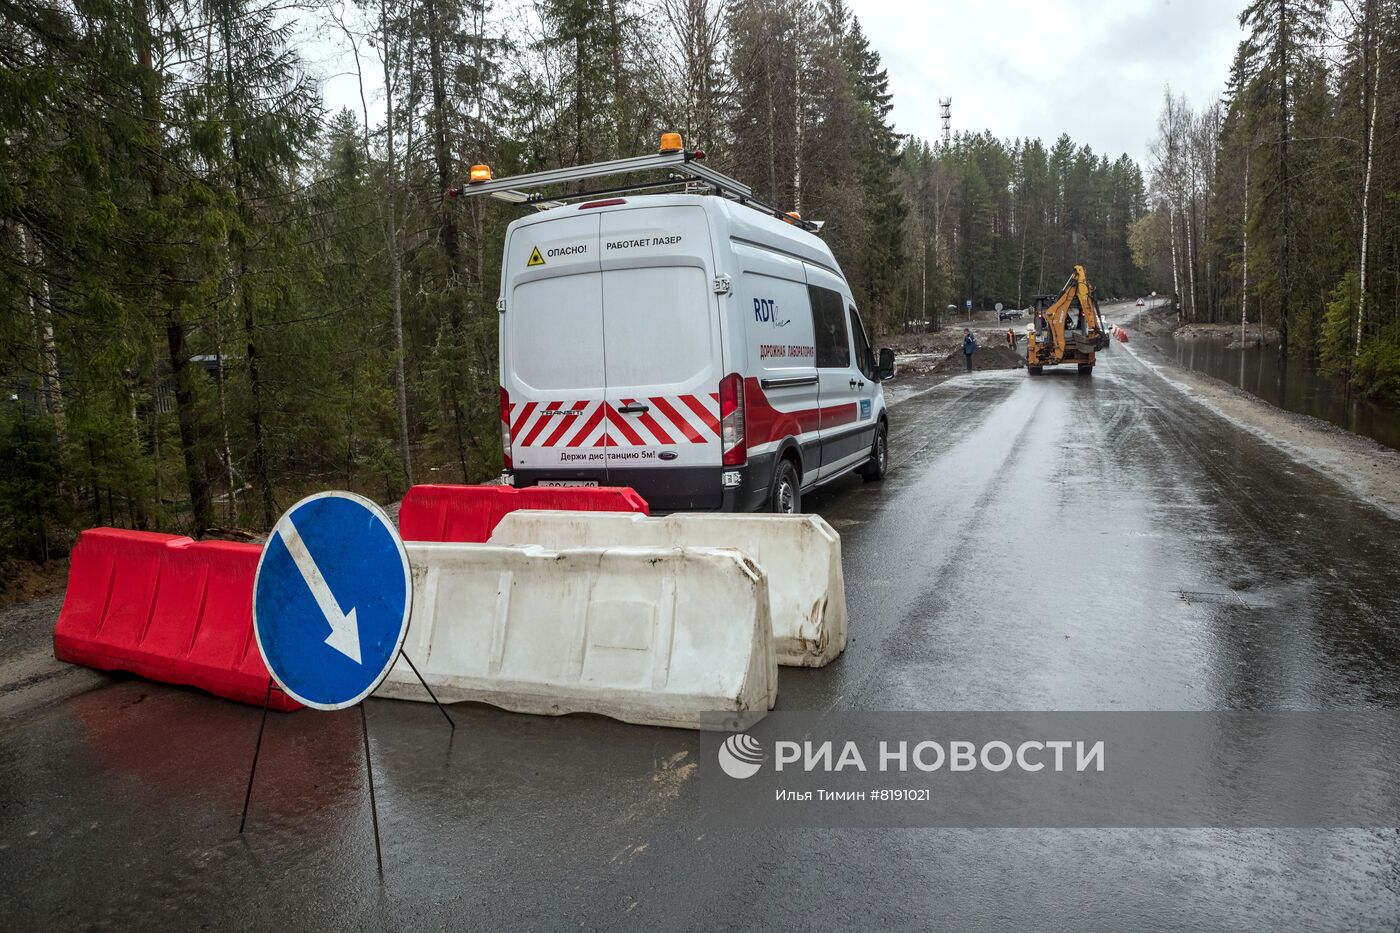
1159,324
940,352
22,581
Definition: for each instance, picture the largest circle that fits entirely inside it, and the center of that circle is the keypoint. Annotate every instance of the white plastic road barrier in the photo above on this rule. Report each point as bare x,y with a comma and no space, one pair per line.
801,554
658,636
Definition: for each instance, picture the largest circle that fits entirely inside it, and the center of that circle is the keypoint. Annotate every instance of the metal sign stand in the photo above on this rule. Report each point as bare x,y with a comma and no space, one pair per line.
369,766
373,804
340,565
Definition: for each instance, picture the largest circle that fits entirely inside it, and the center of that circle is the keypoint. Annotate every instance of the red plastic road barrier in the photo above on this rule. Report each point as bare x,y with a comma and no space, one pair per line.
167,608
469,514
1120,333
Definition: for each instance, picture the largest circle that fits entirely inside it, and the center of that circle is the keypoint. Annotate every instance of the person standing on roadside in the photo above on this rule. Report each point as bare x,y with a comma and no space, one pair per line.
969,347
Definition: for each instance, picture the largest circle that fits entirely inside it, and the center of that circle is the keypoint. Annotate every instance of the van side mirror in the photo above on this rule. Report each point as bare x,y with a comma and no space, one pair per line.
885,368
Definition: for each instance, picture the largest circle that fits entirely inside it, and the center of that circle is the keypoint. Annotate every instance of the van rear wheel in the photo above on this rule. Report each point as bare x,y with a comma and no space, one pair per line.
785,498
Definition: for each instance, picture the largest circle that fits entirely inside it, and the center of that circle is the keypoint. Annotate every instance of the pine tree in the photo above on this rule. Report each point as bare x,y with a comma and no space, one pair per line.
268,111
767,56
883,254
1280,34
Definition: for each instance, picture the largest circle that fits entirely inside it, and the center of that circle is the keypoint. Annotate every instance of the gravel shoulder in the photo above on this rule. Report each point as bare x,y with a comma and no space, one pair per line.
30,677
1368,469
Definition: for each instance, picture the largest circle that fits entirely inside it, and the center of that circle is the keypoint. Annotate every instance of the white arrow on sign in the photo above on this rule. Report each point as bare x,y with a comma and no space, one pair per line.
345,630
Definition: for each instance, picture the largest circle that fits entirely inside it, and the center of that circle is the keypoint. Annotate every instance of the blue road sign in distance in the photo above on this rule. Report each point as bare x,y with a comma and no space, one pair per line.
331,599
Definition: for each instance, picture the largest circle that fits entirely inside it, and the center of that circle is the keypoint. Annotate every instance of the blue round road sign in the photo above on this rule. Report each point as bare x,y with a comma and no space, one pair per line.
331,599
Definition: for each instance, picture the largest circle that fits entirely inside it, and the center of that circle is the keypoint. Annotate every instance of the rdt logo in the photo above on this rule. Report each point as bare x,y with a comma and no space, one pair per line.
741,756
765,310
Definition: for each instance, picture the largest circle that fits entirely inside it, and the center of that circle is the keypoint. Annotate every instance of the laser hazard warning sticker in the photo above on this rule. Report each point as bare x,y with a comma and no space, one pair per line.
535,258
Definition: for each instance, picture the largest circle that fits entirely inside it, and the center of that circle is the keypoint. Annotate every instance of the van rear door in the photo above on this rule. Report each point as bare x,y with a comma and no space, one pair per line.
661,349
552,356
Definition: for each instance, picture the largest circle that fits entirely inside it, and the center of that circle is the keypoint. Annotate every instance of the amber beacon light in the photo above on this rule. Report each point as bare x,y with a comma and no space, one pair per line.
671,142
479,173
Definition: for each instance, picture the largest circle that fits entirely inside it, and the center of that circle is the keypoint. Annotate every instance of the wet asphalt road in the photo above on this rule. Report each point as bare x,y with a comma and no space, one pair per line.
1207,569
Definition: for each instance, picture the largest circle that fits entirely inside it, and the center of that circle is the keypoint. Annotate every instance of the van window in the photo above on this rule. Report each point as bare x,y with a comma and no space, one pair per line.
862,345
829,318
659,325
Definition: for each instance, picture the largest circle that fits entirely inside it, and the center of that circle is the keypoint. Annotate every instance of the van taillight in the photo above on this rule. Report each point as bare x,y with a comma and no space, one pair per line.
505,428
731,420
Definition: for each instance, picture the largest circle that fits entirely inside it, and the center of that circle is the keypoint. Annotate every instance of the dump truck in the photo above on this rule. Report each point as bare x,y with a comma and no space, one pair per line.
1067,328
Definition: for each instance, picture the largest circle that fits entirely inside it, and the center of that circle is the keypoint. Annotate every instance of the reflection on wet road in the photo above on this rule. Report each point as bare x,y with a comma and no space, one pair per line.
1048,544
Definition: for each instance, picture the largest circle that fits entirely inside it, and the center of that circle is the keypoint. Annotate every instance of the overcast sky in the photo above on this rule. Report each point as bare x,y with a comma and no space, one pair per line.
1094,69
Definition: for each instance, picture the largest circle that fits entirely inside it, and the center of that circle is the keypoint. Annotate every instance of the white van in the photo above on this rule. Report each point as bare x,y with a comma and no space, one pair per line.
704,352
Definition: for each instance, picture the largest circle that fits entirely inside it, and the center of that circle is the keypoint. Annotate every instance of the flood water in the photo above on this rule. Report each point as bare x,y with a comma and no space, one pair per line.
1296,387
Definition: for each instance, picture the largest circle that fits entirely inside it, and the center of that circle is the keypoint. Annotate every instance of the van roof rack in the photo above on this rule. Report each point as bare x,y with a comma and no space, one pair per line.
682,164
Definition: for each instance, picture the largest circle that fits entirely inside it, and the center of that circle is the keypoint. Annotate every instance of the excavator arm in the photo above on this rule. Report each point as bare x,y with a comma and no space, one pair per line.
1055,317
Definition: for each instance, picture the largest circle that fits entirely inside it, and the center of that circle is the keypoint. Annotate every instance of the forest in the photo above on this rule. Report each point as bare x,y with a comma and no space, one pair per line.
1277,207
217,296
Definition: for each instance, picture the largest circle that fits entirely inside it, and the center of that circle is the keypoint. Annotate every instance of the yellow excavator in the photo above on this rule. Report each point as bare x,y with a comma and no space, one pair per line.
1067,328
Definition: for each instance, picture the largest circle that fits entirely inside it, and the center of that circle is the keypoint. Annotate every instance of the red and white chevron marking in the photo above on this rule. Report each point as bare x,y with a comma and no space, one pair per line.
672,421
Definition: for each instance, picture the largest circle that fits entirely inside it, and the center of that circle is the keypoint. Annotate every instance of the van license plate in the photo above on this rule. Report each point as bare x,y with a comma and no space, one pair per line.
567,482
